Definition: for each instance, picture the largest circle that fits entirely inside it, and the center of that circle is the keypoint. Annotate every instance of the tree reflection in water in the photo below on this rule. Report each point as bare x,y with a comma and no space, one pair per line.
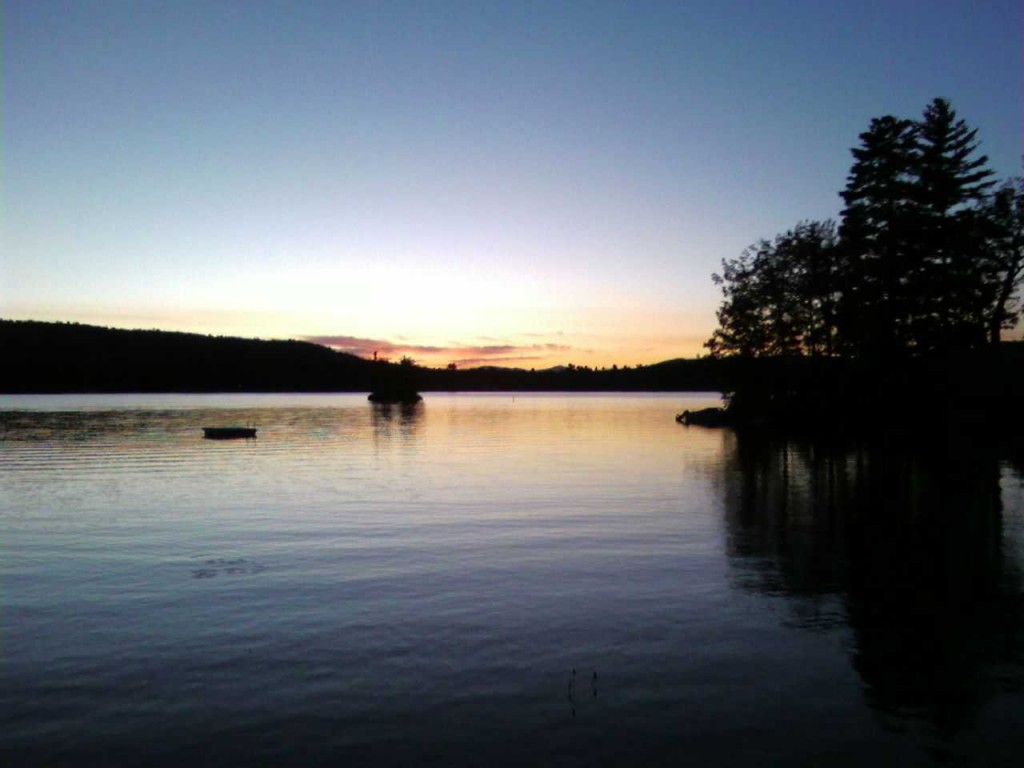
908,547
401,420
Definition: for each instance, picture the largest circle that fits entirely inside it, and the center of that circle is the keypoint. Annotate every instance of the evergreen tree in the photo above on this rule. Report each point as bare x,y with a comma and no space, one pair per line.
876,232
952,295
925,260
948,177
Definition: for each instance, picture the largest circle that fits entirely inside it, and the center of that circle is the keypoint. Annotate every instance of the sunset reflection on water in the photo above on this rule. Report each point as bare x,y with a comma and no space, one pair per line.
421,581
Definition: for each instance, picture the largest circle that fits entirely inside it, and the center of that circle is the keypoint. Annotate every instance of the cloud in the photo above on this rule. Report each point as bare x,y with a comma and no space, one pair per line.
462,354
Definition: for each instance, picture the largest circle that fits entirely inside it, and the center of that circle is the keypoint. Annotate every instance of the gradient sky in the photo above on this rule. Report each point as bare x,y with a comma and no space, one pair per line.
517,183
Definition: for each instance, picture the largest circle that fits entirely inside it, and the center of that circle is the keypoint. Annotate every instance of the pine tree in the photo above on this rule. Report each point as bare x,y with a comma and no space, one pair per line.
876,229
948,177
926,259
951,289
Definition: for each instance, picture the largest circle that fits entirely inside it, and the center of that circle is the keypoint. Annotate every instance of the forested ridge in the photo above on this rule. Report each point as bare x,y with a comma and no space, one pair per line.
68,357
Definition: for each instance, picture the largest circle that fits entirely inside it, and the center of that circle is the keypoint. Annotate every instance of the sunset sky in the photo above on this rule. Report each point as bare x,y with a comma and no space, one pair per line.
511,183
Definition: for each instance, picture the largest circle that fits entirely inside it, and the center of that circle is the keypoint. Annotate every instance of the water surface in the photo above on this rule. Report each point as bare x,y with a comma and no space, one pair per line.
495,579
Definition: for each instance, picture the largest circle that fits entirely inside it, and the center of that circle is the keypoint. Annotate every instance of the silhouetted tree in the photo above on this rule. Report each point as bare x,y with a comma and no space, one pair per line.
925,258
811,251
954,294
1005,252
876,233
742,328
779,296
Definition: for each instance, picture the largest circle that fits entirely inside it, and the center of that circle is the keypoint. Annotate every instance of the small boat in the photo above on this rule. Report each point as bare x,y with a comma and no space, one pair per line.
228,433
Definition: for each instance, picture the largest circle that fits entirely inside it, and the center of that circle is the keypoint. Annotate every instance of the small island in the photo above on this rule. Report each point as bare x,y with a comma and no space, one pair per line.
395,385
395,397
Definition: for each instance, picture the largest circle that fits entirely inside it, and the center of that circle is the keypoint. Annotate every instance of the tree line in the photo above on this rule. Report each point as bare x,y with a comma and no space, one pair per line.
928,256
45,357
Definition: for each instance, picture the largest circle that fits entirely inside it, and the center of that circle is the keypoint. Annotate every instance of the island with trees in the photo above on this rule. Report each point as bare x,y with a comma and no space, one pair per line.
894,315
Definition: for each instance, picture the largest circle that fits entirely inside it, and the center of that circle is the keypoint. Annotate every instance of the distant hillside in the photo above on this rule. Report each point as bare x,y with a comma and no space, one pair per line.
68,357
704,374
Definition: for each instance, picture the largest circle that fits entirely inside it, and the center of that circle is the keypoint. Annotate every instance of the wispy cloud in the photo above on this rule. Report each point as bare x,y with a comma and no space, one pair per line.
461,354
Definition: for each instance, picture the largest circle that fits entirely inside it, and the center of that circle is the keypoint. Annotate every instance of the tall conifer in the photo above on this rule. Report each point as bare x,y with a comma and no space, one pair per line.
952,289
926,258
875,229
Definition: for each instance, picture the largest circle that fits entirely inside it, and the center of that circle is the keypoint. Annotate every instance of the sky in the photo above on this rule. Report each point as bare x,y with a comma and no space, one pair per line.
518,183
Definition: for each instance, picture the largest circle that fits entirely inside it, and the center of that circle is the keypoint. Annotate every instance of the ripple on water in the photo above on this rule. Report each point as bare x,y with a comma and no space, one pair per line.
212,567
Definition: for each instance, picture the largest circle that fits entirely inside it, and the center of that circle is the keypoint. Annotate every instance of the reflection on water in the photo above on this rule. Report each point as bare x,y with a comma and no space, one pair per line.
399,420
909,548
495,580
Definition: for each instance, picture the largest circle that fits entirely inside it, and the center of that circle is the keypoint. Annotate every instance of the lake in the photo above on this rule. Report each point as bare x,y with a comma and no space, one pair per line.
497,579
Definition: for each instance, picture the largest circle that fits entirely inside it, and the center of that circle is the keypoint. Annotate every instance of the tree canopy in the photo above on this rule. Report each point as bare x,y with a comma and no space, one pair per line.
926,256
779,295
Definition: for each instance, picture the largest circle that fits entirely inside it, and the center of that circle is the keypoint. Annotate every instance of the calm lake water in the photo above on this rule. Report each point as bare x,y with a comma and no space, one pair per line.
496,579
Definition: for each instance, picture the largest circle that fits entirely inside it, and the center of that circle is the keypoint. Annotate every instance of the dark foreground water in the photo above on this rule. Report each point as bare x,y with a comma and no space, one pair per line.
496,580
